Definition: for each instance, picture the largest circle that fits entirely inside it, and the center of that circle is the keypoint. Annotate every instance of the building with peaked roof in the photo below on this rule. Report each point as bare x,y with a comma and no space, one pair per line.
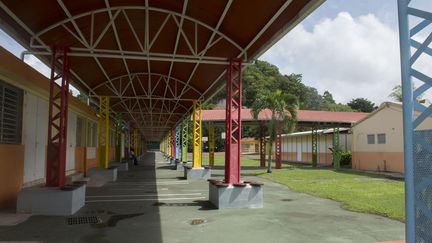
303,116
378,140
297,147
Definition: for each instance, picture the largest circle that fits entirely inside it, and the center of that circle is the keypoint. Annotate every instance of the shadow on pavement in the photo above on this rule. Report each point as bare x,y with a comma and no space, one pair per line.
124,211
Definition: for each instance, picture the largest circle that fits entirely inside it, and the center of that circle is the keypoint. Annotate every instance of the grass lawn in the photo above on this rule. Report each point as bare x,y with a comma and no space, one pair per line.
358,191
361,192
220,160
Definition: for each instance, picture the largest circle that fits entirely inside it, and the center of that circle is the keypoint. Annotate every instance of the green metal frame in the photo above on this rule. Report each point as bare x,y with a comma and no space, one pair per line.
103,131
336,148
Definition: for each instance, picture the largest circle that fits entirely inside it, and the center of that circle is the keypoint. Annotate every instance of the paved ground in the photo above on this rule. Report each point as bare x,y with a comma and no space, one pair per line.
156,205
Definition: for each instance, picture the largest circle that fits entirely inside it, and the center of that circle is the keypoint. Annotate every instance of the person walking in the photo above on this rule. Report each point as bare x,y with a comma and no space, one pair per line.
133,157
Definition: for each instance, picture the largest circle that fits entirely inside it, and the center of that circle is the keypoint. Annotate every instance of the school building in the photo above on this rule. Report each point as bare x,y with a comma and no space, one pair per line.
378,140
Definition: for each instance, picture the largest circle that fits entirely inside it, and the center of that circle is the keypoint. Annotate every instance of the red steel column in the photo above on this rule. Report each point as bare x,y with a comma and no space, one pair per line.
262,144
57,117
233,121
278,148
173,142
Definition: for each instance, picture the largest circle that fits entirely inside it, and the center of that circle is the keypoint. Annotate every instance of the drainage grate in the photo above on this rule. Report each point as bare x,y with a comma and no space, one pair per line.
84,220
197,221
287,200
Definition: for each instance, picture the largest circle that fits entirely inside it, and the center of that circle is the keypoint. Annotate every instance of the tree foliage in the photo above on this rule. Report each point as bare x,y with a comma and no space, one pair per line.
283,107
265,76
362,104
396,93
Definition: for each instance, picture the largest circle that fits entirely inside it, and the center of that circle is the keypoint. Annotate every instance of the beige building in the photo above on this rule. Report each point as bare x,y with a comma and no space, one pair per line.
249,145
378,140
297,147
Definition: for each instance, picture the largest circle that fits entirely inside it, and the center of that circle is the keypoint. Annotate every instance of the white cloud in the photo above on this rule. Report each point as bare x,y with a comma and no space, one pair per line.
350,57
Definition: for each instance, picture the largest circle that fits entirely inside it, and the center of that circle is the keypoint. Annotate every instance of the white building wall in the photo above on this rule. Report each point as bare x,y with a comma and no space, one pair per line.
35,135
304,144
35,138
71,142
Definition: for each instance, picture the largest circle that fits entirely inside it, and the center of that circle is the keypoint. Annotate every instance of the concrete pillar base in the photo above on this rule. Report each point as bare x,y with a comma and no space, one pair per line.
242,195
99,176
197,173
121,166
51,200
70,179
180,165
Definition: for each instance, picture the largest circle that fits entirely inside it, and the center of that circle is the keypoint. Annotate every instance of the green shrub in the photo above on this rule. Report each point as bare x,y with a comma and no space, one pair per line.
346,158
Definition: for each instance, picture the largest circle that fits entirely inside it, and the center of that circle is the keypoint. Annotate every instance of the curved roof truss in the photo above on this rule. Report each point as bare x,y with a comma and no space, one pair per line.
152,57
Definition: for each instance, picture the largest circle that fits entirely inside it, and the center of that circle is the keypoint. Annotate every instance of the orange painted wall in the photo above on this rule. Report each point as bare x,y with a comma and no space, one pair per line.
325,158
93,162
111,154
378,161
11,173
307,157
80,155
79,158
288,156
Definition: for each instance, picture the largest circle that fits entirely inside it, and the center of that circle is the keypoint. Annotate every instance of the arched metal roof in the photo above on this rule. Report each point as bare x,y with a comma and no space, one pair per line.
152,57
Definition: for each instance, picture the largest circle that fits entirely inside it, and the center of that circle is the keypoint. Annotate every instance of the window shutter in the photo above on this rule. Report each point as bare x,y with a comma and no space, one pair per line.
11,114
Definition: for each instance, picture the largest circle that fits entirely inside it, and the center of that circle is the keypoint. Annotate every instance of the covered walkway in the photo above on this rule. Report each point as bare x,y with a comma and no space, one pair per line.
151,203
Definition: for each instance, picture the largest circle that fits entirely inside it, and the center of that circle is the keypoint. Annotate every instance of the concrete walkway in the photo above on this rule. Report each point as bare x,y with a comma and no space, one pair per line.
156,205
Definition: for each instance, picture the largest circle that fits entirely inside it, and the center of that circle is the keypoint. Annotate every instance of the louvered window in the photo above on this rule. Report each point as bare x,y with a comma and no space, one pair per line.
10,114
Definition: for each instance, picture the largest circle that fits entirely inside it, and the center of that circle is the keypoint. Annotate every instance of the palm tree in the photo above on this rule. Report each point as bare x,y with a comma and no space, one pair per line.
283,109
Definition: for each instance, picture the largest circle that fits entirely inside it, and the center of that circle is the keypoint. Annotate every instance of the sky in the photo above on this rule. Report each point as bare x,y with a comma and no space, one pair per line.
347,47
10,44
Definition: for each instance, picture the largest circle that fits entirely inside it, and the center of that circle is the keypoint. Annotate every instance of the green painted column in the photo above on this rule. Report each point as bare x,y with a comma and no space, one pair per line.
184,142
336,149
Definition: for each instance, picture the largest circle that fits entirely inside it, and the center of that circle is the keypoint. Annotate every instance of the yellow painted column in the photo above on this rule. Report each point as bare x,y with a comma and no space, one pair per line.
211,140
103,131
197,134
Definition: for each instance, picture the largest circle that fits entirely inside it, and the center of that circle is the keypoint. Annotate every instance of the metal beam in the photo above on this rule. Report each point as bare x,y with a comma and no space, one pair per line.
150,90
262,144
170,58
417,135
104,131
211,140
197,134
57,118
278,147
178,142
233,121
185,140
119,9
173,143
336,149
